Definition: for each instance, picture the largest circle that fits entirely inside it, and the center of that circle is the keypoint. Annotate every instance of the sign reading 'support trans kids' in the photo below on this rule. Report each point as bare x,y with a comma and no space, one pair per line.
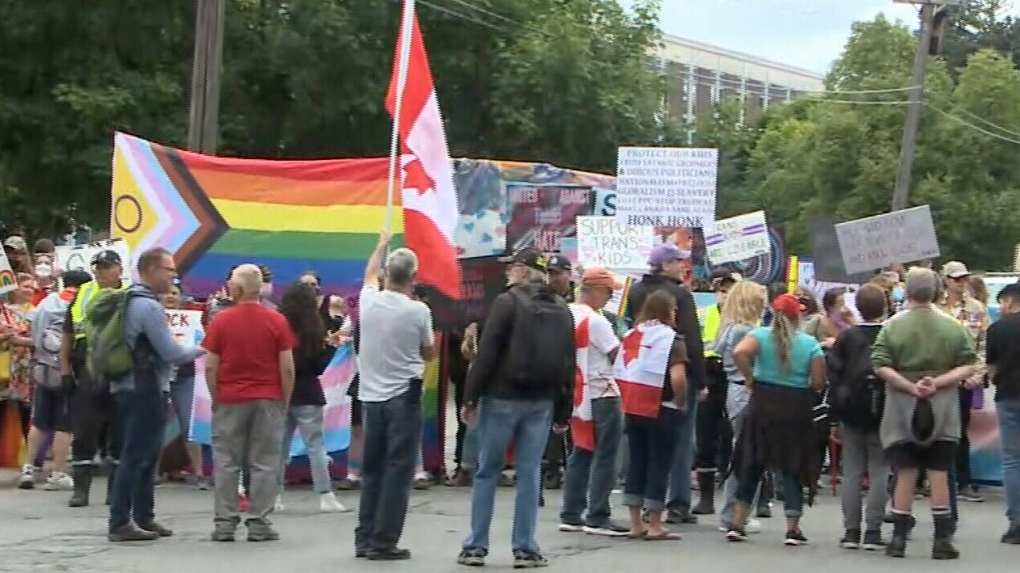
666,186
898,237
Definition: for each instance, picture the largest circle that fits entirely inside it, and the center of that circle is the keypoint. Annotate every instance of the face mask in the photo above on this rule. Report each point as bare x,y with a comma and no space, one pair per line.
43,271
267,290
897,293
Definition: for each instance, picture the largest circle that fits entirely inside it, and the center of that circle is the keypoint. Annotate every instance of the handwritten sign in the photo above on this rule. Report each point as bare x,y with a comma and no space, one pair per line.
603,242
666,186
8,280
738,238
184,325
542,215
898,237
79,257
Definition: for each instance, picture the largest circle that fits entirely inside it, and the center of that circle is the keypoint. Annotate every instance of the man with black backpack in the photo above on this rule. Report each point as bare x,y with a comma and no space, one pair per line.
520,383
856,402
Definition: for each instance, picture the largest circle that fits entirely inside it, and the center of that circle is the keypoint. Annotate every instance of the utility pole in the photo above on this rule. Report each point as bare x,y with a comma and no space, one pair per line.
203,117
908,147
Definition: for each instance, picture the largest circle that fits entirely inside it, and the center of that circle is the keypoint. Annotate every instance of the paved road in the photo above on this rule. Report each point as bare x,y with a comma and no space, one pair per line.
39,533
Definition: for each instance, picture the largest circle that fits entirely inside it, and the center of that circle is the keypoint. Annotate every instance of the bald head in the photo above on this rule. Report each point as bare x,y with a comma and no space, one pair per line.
921,285
247,280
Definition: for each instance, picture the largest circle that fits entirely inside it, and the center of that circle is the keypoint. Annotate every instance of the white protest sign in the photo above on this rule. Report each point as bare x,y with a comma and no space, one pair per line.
8,280
738,238
603,242
898,237
184,325
79,257
666,186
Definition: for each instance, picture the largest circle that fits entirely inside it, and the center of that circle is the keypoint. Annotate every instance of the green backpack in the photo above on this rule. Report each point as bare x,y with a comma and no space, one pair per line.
109,355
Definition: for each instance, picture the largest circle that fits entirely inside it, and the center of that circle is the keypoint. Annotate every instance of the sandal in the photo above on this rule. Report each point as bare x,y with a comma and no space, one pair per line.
641,535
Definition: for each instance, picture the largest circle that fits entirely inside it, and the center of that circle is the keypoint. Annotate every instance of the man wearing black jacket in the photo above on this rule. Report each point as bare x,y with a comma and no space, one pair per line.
666,262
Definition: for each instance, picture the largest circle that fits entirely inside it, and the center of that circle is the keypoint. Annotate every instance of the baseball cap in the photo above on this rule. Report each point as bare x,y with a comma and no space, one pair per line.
560,263
107,257
16,242
788,305
528,257
725,277
666,252
267,274
955,270
600,277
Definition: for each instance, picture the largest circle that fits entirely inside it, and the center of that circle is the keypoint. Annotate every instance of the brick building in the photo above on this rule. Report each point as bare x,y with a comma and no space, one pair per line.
700,75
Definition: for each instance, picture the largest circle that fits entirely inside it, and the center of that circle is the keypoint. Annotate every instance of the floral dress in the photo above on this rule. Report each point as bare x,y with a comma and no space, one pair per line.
18,384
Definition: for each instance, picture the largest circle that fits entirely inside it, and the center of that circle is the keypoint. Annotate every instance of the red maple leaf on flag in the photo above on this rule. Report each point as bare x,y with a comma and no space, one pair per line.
631,346
415,177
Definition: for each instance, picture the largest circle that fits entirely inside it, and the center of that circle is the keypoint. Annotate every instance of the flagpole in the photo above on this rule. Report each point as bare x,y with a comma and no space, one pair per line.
404,55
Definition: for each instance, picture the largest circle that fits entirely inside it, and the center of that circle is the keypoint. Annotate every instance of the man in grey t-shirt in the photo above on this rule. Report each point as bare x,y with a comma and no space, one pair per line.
396,341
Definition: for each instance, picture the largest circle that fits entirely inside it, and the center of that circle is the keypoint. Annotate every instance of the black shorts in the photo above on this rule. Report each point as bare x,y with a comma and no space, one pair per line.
51,410
940,456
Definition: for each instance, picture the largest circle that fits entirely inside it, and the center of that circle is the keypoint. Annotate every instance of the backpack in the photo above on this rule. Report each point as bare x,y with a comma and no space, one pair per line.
542,352
857,396
109,354
46,358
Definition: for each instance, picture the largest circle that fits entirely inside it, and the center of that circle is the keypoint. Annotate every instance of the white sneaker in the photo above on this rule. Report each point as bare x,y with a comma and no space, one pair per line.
328,503
753,526
59,481
278,505
27,478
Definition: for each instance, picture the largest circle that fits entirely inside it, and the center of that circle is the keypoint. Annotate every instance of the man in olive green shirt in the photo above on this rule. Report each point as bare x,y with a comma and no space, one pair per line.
923,355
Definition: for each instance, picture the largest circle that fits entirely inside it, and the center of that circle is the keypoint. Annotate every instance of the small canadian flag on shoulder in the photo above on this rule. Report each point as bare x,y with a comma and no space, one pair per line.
640,368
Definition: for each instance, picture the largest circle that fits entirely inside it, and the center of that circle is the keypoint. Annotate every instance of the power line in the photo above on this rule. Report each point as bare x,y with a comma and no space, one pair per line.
966,123
974,116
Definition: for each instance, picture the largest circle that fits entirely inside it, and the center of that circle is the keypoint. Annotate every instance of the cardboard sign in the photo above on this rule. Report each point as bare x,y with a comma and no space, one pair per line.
8,280
603,242
898,237
738,238
666,186
72,257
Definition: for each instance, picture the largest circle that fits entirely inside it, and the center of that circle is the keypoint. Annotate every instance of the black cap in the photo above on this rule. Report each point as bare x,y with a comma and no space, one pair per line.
75,278
267,275
1011,290
107,258
560,263
724,277
528,257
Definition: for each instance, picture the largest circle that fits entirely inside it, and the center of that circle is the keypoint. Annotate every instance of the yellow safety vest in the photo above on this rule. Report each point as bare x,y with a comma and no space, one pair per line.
709,328
81,303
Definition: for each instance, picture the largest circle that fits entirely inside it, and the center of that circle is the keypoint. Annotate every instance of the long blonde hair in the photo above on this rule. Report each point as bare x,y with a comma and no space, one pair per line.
783,330
744,304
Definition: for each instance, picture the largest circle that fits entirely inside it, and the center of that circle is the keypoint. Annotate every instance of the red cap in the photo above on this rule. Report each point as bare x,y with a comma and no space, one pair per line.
788,305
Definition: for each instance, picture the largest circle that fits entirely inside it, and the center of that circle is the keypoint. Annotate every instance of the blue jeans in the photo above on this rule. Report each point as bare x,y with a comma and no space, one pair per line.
651,444
793,493
525,423
182,394
469,452
1008,412
680,476
307,419
591,475
143,415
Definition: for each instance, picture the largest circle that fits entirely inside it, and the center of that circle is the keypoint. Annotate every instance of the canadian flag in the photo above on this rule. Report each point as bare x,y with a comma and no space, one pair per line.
640,368
582,426
428,195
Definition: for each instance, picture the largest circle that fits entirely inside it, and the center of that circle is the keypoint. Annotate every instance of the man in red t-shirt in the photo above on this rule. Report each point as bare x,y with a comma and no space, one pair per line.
250,372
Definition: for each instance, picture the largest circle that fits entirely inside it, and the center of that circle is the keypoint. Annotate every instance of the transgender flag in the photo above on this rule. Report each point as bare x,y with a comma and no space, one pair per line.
337,416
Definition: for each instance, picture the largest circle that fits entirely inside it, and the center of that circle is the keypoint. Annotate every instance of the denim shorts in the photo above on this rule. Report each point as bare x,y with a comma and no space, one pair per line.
51,409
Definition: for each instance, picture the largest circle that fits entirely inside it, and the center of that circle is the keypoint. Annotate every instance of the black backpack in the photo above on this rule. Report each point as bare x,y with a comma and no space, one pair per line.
542,352
856,395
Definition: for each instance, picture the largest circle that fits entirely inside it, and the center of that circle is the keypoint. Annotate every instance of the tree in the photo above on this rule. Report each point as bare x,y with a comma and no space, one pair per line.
543,80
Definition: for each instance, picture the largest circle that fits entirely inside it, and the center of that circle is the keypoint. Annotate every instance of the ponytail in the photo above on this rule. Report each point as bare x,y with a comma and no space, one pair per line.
783,330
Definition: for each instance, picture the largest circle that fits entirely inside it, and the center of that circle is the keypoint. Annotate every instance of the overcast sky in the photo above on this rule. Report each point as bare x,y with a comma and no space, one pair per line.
804,33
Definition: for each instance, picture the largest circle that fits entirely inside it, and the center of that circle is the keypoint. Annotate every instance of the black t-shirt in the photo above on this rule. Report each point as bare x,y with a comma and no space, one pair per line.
1003,352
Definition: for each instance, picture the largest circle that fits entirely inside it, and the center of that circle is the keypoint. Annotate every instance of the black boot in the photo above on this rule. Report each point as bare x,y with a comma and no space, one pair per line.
706,490
942,547
82,476
901,528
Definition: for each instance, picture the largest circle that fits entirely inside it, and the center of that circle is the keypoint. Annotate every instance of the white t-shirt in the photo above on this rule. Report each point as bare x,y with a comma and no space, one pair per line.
602,341
394,329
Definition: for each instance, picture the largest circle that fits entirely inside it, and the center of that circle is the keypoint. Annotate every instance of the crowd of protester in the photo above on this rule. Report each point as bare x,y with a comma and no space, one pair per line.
754,395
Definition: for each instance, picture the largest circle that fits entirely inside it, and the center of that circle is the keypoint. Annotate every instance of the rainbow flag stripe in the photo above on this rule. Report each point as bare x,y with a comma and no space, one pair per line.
217,212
